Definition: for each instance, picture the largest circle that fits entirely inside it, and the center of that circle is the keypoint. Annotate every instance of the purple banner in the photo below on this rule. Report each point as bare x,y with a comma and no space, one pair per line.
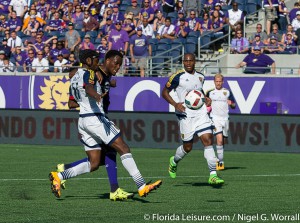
254,95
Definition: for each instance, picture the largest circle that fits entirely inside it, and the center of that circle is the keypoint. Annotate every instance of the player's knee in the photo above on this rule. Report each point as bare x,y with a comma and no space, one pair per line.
188,148
94,165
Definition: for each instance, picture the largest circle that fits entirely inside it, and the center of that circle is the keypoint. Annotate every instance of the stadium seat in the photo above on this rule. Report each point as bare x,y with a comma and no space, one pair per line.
93,34
175,54
123,8
97,41
194,34
164,44
173,16
126,3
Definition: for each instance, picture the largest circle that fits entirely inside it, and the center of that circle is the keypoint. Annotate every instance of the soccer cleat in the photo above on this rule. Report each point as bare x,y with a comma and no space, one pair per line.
149,187
55,184
60,168
215,180
220,166
120,194
172,168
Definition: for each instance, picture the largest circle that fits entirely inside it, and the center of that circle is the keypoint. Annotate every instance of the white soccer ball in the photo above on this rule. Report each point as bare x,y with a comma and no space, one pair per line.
194,99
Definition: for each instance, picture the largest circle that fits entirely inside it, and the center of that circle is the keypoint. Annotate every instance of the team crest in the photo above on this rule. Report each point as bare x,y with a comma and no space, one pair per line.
182,136
201,79
254,60
55,93
225,93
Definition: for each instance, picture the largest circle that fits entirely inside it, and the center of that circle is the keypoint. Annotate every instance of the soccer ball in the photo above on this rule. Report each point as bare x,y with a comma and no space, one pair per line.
194,100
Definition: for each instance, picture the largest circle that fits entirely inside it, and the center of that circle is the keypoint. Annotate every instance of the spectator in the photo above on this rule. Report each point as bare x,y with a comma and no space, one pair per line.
290,46
167,6
217,25
239,44
116,15
147,28
4,47
19,6
3,23
289,29
58,63
181,31
51,13
28,61
180,15
275,32
234,17
193,22
105,30
271,7
14,41
158,21
71,64
77,18
102,49
257,63
179,6
296,21
192,5
140,49
209,6
14,24
273,47
72,38
86,43
43,9
2,56
282,15
135,10
19,58
118,39
155,4
147,12
293,11
219,9
166,31
61,50
67,15
90,23
260,32
205,24
4,5
63,6
40,64
32,25
54,24
7,66
257,42
128,25
103,10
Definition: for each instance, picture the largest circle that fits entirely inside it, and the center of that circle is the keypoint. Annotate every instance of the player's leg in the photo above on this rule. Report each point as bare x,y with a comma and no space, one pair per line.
110,161
187,136
210,156
82,167
218,132
129,164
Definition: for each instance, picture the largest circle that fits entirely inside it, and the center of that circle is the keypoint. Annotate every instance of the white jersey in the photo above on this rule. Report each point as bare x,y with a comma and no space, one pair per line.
219,105
182,82
87,104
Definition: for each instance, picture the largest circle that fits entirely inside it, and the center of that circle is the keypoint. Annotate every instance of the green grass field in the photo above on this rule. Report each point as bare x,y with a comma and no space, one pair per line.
256,184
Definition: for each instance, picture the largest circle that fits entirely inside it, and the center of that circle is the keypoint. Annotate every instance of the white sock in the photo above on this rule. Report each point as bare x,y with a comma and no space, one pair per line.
129,164
211,158
179,155
81,168
220,153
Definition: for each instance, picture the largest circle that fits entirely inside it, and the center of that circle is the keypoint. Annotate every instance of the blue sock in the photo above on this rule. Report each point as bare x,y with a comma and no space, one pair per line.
111,169
69,165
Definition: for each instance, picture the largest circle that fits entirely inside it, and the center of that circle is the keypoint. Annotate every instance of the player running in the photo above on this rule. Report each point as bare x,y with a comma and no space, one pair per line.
191,122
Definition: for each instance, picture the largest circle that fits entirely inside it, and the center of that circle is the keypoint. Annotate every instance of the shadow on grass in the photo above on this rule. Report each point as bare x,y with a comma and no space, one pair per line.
199,184
234,168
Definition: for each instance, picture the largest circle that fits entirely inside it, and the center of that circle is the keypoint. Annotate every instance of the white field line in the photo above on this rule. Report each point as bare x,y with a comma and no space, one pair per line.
163,177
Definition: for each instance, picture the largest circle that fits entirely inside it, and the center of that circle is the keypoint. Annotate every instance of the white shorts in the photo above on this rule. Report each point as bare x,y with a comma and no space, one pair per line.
196,125
96,129
221,126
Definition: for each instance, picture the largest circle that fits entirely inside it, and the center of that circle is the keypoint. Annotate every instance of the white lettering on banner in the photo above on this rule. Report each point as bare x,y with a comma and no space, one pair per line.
146,85
246,105
2,99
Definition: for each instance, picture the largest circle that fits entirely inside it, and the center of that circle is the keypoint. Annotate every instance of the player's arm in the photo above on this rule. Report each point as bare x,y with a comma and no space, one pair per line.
166,95
72,104
231,100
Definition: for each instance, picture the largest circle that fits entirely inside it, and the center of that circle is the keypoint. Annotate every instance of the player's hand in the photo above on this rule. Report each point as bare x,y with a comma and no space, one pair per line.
179,107
99,97
207,101
99,76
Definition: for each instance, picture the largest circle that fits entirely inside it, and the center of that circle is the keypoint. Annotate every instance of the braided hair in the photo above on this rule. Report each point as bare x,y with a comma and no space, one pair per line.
88,53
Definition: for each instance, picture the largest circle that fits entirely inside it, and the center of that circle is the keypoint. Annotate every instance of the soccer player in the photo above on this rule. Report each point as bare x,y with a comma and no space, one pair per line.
221,99
191,122
94,127
109,153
